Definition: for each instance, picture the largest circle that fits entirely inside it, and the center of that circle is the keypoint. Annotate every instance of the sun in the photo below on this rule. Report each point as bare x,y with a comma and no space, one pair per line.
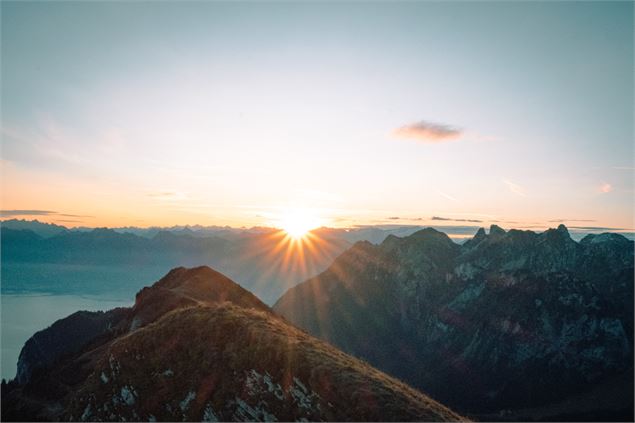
298,222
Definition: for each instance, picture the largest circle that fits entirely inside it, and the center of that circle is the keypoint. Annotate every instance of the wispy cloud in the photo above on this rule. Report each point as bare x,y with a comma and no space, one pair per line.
428,132
168,196
572,220
515,188
405,219
449,219
16,213
13,213
596,228
448,196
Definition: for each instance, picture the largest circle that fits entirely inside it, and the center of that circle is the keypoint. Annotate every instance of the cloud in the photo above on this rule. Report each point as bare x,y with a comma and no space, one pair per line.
12,213
440,218
73,215
572,220
448,196
515,188
428,132
449,219
606,188
406,219
167,196
596,228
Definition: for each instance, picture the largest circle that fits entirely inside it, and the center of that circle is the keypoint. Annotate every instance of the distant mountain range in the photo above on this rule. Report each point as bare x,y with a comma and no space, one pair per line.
508,326
43,257
371,233
198,347
360,233
265,261
37,256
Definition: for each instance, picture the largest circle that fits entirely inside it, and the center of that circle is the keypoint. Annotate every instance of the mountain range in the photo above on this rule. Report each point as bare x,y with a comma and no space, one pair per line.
265,261
198,347
510,325
43,257
507,326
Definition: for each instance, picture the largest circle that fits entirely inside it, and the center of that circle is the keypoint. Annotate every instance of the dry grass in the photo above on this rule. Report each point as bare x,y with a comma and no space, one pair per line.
208,348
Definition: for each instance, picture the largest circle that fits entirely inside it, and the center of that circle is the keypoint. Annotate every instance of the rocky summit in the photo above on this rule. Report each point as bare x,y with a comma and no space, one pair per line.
511,325
198,347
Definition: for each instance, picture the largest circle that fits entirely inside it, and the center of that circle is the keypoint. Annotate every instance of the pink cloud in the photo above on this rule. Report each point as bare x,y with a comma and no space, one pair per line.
606,188
428,132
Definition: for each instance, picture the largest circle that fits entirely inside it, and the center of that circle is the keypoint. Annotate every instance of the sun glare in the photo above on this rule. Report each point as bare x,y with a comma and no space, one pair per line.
297,223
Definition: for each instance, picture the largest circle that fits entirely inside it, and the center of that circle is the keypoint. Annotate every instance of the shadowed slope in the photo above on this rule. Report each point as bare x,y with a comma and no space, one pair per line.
529,319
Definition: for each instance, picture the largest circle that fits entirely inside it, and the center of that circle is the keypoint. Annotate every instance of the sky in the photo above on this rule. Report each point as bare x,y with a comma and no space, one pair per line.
355,113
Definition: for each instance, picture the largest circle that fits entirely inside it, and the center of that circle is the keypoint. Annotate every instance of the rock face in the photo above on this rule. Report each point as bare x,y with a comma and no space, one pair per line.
198,347
500,327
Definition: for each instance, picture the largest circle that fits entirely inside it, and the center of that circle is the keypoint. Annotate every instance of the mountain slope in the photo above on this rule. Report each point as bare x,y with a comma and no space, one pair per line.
196,346
529,319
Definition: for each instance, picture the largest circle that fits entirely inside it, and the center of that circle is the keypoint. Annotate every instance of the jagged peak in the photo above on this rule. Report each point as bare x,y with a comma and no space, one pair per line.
478,237
562,229
496,230
561,232
480,234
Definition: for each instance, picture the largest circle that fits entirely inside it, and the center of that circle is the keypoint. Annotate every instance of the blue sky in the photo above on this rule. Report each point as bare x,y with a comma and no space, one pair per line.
235,113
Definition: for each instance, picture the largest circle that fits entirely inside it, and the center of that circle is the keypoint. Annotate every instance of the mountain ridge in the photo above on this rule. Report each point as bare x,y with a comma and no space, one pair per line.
501,302
208,350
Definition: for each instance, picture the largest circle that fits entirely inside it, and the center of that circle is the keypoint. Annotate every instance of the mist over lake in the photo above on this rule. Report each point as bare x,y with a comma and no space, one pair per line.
118,281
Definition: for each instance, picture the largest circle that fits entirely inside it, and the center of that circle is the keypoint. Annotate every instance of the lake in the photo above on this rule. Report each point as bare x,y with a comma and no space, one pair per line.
24,314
